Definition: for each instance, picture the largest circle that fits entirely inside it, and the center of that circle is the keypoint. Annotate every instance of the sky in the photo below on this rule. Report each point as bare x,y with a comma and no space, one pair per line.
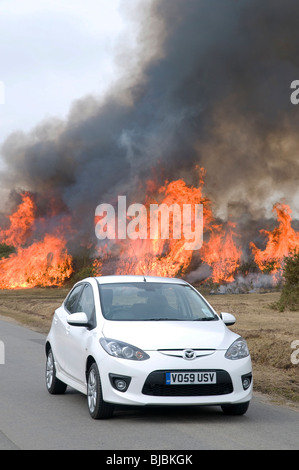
52,53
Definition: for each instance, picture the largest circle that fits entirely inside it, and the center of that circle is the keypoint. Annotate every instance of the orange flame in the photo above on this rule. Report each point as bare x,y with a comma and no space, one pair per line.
221,253
21,223
40,263
169,257
281,242
161,257
44,263
43,259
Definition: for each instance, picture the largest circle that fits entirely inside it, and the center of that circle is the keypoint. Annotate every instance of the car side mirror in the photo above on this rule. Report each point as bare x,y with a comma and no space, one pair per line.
78,319
228,318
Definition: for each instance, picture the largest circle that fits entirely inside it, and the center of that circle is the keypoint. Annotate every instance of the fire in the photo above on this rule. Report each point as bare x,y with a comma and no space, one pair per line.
41,257
21,223
161,257
42,262
221,253
169,257
281,242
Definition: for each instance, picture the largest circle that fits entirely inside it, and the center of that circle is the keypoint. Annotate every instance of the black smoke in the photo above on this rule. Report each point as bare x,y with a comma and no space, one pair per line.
214,93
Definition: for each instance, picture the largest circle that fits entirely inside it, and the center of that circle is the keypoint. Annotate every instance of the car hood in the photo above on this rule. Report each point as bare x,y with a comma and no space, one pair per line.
155,335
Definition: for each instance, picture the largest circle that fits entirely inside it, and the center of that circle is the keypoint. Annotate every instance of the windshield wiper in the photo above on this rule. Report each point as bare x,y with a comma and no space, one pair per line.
180,319
204,319
163,319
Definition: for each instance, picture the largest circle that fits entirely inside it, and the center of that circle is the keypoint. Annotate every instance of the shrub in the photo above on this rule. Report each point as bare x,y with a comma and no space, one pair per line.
83,265
6,250
290,293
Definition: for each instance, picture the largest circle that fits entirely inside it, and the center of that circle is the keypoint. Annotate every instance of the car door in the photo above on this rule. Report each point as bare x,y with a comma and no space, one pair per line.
78,337
61,326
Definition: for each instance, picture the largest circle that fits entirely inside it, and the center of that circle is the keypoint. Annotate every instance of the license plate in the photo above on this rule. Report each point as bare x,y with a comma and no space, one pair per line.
189,378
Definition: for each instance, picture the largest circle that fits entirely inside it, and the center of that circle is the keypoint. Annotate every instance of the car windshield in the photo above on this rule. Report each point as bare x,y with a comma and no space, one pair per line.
151,301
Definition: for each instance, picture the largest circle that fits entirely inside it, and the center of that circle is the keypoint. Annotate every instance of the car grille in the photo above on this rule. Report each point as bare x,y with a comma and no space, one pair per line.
155,385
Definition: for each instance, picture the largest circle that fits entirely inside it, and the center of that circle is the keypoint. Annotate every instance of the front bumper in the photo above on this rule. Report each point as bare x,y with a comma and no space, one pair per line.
147,387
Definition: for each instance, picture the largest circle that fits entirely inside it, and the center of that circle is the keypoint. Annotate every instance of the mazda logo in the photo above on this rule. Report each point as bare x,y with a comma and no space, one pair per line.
189,354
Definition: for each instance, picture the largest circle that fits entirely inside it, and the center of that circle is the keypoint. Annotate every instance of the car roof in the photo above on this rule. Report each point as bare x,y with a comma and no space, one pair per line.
115,279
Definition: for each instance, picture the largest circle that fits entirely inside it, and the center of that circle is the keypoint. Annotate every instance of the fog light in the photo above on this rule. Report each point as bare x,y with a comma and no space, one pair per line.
120,382
246,381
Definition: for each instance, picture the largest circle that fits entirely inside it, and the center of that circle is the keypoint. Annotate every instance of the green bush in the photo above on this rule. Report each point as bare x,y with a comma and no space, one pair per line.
87,271
290,293
82,265
6,250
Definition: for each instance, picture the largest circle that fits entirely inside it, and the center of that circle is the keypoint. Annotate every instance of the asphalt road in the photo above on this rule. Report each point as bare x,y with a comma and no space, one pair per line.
32,419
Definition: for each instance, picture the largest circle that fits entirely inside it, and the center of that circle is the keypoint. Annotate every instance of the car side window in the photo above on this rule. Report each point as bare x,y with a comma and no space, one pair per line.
72,300
86,303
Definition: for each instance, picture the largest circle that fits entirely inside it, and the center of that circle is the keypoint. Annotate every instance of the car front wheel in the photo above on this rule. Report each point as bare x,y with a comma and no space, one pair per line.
97,407
54,385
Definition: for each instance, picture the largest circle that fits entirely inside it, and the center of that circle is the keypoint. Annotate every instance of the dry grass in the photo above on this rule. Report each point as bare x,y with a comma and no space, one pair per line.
32,307
269,333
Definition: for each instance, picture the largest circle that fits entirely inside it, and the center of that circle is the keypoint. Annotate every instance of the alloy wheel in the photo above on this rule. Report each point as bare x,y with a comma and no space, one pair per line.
92,391
49,370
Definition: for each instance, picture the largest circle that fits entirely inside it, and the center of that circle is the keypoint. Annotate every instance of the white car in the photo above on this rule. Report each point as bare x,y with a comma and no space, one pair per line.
135,340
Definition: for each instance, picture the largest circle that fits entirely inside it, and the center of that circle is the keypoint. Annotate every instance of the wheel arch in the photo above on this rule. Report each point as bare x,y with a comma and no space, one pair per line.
89,361
47,347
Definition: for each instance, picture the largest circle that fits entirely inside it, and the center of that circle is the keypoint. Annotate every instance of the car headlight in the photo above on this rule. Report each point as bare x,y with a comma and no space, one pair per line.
123,350
237,350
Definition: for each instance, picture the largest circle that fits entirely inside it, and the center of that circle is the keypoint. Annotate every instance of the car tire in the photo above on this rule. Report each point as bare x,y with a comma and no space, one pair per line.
98,408
53,384
235,410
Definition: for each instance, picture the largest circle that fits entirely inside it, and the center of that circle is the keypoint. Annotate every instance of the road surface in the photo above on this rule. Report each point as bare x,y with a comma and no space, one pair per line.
32,419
